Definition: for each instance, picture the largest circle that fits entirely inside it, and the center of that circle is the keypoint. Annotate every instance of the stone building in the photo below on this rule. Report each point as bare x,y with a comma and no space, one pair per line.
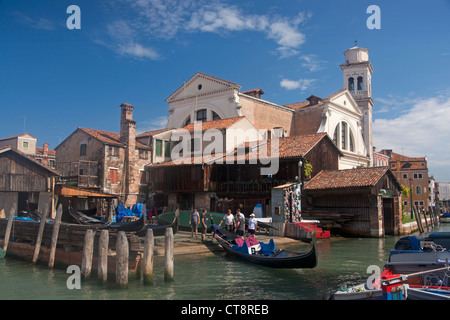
108,162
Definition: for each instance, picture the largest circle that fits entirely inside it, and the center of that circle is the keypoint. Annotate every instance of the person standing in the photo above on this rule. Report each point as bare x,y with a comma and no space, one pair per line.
203,225
229,221
252,225
239,223
193,221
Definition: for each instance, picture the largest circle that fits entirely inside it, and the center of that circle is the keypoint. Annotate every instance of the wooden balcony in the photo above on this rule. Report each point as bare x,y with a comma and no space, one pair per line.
82,174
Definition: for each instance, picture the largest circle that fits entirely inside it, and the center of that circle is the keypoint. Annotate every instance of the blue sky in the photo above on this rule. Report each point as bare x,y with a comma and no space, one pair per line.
55,79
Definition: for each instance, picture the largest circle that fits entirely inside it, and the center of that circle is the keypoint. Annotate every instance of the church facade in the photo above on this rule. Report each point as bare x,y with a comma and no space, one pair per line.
345,116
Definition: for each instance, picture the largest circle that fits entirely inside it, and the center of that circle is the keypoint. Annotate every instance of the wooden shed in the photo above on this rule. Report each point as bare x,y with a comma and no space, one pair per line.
24,181
360,202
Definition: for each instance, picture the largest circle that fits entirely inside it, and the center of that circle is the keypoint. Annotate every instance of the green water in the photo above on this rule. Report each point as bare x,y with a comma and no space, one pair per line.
341,261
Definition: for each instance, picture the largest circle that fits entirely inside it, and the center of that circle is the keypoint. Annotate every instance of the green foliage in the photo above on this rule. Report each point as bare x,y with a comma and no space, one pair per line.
308,169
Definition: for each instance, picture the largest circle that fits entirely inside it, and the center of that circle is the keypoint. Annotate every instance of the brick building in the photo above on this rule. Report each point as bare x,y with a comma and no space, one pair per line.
411,172
108,162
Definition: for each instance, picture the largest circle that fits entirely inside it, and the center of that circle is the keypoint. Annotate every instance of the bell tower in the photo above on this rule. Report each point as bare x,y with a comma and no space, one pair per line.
357,72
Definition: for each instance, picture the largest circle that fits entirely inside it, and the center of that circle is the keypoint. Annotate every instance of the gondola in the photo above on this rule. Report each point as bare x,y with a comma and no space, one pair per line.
265,254
132,226
160,229
81,218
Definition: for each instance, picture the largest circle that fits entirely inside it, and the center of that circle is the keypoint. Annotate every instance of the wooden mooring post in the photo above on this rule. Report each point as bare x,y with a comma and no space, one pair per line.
88,252
103,255
37,247
147,263
168,266
12,213
122,255
56,225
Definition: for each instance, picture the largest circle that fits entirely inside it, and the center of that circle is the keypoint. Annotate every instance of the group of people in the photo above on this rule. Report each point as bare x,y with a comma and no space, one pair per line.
234,224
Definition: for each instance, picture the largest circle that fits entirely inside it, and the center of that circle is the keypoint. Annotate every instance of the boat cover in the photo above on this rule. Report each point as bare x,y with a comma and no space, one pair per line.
243,246
408,243
121,211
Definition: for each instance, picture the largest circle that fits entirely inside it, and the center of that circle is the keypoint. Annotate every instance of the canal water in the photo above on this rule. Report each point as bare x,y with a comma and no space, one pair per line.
212,277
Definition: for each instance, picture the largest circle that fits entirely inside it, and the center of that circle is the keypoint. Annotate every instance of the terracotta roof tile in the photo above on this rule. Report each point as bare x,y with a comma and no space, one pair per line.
289,147
112,138
349,178
152,132
219,124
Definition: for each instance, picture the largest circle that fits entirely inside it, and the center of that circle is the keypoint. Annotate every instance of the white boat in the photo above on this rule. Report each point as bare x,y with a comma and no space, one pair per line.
427,257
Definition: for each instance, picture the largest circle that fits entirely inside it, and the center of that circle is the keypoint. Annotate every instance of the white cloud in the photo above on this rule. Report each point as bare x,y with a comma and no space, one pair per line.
138,51
420,131
35,22
154,124
302,84
165,20
312,63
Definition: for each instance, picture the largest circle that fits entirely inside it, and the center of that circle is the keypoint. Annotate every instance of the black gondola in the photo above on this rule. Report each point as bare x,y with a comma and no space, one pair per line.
160,229
132,226
273,258
81,218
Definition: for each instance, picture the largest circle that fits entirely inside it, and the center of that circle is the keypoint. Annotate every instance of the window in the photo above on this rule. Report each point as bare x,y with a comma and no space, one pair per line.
418,176
215,116
158,148
360,83
201,115
113,175
405,176
113,151
187,121
343,137
143,154
167,149
25,144
351,84
52,163
351,143
83,148
418,189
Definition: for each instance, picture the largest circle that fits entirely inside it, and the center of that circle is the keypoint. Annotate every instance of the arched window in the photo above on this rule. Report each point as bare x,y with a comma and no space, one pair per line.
360,83
351,84
418,189
201,115
343,137
215,116
351,145
187,121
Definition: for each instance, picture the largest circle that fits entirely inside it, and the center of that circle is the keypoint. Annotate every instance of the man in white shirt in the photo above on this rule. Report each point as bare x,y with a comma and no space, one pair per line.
252,225
229,221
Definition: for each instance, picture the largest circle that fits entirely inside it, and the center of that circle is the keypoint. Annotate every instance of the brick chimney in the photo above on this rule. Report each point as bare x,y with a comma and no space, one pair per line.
128,137
256,93
45,149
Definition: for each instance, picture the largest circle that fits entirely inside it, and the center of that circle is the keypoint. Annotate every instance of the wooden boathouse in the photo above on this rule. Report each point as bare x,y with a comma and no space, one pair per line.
25,182
359,202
